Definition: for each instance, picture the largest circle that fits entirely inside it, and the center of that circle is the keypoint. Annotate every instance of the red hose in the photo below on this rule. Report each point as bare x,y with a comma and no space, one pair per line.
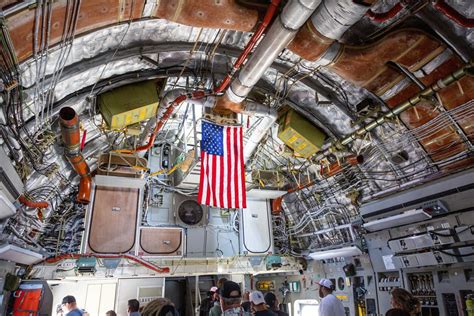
33,204
166,116
83,140
272,8
384,16
126,256
452,14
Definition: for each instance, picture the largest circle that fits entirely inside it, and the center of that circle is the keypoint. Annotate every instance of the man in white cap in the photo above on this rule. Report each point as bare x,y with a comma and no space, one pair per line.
208,302
257,302
329,305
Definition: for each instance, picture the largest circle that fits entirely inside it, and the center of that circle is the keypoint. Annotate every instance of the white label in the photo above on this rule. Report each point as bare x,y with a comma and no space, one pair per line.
388,262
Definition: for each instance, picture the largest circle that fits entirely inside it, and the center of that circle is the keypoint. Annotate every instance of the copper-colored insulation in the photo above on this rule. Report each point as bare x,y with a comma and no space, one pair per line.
367,66
223,14
224,106
69,122
93,14
338,166
445,142
309,43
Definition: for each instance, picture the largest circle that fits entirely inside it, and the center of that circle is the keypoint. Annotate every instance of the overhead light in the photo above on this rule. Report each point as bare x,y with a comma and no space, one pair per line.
335,253
19,255
407,217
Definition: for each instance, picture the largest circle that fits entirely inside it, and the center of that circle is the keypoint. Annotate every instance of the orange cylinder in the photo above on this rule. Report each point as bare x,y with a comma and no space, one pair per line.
69,122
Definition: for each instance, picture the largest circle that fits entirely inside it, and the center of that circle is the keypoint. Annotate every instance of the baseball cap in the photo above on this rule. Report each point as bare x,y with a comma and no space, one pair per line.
214,289
69,299
228,288
270,299
326,283
256,297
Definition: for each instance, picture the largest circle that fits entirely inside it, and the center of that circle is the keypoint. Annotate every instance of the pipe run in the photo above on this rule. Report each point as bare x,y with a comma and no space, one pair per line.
282,31
411,102
163,114
272,8
144,263
269,115
69,122
33,204
452,14
381,17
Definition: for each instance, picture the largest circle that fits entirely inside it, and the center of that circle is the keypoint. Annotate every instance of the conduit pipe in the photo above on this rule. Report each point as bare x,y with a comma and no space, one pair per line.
125,256
164,114
33,204
282,31
69,122
327,25
380,17
338,166
250,45
452,14
269,115
394,112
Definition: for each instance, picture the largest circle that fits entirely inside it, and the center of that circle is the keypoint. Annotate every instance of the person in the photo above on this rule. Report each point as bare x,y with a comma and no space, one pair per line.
133,307
245,303
329,304
216,309
272,301
160,307
69,306
405,301
111,313
208,302
230,298
258,304
397,312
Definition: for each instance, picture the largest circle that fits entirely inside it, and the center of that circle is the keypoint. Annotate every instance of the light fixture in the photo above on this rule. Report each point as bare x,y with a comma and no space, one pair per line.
19,255
336,252
407,217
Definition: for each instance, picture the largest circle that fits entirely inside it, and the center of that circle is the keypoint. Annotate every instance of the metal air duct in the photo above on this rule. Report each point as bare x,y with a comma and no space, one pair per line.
69,122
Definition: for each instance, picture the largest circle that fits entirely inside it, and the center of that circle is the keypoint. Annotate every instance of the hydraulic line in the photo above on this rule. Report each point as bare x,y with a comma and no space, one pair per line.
250,45
452,14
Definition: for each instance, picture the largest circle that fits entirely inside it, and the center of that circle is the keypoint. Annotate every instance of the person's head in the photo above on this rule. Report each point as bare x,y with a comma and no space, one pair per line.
111,313
403,299
325,287
272,301
230,295
257,301
213,292
160,307
133,305
68,303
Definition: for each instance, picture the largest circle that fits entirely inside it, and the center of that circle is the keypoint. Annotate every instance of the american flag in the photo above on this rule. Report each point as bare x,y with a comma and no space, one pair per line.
222,182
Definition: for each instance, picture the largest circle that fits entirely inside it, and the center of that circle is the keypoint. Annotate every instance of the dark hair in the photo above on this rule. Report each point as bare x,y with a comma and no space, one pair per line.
397,312
406,301
220,282
270,299
111,313
133,305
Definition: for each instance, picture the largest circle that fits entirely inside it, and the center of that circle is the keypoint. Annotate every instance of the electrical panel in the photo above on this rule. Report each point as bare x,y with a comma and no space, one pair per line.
11,186
299,134
129,104
427,240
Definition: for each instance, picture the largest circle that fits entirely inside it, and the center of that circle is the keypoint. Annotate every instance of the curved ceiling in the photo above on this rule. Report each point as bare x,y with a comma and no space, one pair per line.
68,52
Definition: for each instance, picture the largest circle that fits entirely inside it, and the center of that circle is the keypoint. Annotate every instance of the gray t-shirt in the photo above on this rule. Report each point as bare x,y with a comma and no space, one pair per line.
331,306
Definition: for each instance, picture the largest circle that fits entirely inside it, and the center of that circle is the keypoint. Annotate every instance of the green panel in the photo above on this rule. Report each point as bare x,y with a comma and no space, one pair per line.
129,104
299,134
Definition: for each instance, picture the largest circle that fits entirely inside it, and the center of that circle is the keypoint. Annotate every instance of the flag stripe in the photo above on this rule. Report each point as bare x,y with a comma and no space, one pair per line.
222,178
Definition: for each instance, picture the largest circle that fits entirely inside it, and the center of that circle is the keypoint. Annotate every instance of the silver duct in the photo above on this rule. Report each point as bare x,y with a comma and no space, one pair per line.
334,17
282,31
269,115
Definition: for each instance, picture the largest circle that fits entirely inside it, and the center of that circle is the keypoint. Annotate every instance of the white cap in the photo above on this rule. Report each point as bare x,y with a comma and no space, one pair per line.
257,298
214,289
326,283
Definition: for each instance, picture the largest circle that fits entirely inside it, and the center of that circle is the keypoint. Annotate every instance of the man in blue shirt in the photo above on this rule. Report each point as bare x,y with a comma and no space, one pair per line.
70,306
133,307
